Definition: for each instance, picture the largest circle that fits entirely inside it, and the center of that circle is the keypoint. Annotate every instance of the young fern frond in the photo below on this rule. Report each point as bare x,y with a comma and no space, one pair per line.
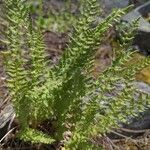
113,73
19,81
17,75
37,55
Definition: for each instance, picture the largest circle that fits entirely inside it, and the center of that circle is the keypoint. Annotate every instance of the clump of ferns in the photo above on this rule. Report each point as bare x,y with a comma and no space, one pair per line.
80,105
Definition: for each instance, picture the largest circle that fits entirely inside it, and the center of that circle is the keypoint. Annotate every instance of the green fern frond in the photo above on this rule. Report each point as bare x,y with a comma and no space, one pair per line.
14,60
35,136
37,53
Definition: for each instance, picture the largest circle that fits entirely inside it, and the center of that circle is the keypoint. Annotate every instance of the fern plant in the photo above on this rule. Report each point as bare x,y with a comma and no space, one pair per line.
77,104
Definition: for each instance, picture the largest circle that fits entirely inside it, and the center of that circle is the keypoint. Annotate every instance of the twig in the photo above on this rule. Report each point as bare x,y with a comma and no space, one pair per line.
119,134
126,137
5,101
7,134
115,146
134,131
11,121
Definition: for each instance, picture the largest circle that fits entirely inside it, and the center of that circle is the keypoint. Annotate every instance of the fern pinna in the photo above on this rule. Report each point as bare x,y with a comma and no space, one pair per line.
67,93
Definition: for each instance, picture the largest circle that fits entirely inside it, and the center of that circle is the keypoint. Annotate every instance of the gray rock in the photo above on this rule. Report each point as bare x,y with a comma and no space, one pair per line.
139,12
108,5
143,87
143,120
142,39
6,115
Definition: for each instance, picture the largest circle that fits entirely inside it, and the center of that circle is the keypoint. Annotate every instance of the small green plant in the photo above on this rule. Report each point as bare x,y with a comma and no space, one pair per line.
53,19
66,93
